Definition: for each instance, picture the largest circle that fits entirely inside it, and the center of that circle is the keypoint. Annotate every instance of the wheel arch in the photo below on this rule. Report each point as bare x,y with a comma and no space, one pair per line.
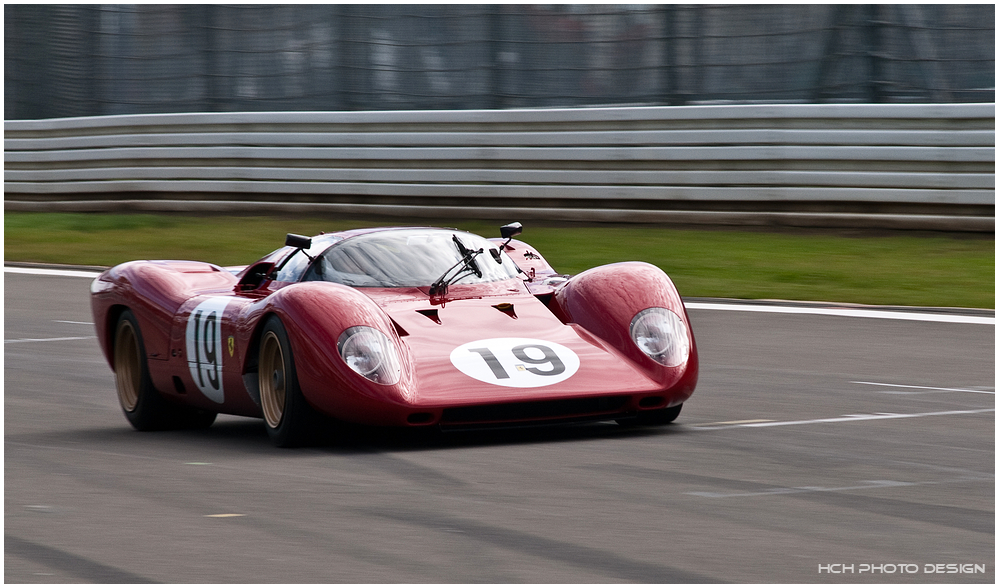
315,314
252,357
604,300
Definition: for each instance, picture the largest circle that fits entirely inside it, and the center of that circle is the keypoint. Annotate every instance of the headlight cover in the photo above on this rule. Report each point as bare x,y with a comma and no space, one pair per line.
661,335
370,353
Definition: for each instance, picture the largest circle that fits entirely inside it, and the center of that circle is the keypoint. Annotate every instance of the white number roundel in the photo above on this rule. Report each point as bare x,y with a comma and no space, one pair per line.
516,362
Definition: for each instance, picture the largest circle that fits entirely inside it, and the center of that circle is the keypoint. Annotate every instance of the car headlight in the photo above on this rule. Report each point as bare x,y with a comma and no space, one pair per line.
661,335
370,353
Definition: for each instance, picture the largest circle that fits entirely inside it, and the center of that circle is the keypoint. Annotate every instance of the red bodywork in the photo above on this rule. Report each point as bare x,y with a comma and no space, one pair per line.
589,314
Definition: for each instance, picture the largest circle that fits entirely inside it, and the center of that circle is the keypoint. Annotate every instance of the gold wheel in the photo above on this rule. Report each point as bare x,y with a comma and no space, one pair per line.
272,379
128,366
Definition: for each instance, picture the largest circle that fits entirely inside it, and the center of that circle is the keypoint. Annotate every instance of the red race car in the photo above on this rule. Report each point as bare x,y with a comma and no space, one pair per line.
411,327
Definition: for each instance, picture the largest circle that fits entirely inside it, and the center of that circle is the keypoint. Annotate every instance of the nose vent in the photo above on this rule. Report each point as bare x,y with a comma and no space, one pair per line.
398,329
651,402
420,418
506,308
431,314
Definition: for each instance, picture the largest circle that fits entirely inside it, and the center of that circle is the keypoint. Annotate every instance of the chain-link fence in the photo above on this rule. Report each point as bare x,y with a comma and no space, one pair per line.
83,60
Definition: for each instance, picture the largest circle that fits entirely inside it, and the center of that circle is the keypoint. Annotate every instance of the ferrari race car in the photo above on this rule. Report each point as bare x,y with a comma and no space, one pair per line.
410,327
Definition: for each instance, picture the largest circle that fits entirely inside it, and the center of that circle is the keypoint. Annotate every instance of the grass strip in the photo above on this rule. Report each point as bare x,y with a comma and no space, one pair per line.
892,270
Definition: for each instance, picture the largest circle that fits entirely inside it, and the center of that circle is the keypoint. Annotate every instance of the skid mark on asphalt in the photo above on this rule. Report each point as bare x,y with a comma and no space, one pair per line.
863,485
75,566
969,519
575,555
965,519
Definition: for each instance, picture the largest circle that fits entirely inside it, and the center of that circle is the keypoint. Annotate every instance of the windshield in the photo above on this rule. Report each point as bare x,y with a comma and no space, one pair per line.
407,258
296,265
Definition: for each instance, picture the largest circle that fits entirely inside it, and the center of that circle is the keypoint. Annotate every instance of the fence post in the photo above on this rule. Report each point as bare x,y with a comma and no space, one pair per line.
212,94
345,56
670,94
872,28
496,55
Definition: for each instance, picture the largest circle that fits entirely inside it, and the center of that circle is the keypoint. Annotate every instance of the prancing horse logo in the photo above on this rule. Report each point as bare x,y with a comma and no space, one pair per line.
232,345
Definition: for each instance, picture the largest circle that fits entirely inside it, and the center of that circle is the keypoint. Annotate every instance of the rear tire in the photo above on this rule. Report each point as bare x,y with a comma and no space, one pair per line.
143,406
659,416
288,418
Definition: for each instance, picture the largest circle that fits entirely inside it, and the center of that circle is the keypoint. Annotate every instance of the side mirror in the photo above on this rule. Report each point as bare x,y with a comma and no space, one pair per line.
510,231
298,241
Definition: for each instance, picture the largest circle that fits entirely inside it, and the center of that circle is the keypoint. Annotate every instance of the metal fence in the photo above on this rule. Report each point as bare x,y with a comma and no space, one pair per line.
913,166
86,60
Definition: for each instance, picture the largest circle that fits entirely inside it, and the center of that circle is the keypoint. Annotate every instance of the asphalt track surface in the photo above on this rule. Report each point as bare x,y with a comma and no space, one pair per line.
814,444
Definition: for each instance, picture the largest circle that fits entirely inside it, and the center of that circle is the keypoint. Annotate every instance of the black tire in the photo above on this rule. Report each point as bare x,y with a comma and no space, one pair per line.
660,416
191,418
144,407
288,418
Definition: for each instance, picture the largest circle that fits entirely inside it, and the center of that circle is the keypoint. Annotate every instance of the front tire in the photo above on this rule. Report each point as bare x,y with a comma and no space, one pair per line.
287,416
143,406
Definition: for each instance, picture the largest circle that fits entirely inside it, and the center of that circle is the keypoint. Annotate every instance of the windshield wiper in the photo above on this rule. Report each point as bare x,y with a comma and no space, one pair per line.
467,261
465,251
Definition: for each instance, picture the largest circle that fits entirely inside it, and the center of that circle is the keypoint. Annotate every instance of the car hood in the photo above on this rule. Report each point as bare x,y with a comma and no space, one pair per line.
504,346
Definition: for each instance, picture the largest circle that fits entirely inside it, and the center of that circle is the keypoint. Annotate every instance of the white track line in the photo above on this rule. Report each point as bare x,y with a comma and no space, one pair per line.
37,271
776,308
927,388
48,339
841,419
847,312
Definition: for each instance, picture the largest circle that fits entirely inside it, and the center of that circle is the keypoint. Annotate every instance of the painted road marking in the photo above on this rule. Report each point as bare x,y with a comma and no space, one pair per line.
864,485
48,339
73,322
930,388
847,312
224,516
841,419
37,271
736,422
776,308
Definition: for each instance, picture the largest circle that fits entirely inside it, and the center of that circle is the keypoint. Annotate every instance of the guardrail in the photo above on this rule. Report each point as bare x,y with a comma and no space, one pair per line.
888,166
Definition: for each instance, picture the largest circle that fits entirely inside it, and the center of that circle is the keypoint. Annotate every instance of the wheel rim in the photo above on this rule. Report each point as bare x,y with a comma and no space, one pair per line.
272,380
128,366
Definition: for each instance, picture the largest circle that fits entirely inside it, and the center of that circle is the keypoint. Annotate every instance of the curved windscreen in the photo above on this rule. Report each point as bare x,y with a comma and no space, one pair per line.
296,265
409,258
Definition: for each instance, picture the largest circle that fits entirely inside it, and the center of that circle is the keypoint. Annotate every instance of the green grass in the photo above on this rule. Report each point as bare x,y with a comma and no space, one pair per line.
893,270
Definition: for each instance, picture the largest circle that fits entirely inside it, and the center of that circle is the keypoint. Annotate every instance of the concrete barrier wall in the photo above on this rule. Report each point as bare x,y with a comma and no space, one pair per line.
891,166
